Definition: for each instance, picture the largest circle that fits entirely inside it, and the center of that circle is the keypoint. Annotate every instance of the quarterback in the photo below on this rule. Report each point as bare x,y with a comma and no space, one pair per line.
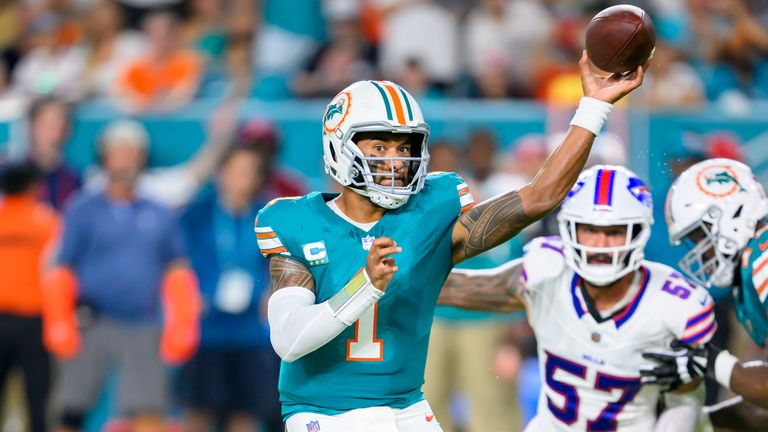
595,306
719,210
355,276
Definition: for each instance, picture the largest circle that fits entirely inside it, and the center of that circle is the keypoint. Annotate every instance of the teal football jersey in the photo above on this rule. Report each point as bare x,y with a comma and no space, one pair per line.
378,361
751,296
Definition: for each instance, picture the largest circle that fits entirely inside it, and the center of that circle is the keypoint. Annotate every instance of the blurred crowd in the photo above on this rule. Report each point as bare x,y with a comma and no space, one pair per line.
157,55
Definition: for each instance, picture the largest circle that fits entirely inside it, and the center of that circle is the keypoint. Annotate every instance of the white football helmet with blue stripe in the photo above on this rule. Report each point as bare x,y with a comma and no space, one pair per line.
606,195
374,106
714,206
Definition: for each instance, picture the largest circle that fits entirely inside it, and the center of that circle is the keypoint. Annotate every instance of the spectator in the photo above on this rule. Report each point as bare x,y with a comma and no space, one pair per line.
176,185
11,24
49,131
344,59
281,181
414,79
232,380
290,32
109,48
673,83
203,29
729,45
136,10
121,262
492,82
55,65
510,34
28,230
167,76
421,30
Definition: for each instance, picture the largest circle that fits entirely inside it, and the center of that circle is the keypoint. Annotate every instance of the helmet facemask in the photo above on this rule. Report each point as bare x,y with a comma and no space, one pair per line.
365,170
711,257
624,258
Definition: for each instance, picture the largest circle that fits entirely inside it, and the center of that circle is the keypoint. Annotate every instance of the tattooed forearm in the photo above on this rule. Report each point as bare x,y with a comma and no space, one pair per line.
489,224
285,272
499,290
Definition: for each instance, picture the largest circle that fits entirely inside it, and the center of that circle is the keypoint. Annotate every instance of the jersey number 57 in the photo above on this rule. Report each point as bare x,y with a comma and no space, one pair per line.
568,413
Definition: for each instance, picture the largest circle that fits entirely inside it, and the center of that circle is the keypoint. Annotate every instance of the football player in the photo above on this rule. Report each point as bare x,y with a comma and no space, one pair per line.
355,276
595,306
719,210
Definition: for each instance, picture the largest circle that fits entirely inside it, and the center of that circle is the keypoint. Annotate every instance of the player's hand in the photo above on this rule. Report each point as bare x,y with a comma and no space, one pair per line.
379,264
610,87
681,365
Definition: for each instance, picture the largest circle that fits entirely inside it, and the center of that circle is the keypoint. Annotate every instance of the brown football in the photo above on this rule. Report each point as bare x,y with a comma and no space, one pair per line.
620,38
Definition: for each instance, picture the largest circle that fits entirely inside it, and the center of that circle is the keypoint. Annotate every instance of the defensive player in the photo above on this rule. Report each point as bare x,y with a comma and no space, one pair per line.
351,325
595,305
719,210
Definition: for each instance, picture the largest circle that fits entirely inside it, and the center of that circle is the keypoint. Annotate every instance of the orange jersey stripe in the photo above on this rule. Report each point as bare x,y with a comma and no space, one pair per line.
397,102
760,267
762,288
268,235
467,207
274,250
464,191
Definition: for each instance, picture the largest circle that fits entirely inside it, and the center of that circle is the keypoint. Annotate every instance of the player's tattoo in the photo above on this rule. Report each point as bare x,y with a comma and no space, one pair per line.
285,272
491,223
495,291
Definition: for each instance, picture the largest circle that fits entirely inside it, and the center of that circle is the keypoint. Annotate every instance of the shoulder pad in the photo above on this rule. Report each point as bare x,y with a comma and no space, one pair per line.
454,186
543,259
269,224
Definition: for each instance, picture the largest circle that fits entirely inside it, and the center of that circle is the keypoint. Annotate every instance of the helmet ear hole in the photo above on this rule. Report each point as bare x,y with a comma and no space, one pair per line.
738,212
332,151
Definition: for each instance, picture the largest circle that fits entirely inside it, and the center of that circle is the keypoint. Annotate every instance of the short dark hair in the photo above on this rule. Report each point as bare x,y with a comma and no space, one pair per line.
256,151
40,104
18,177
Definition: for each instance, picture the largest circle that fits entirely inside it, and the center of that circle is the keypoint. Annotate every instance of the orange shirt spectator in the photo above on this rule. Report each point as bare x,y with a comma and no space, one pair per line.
27,232
164,78
146,80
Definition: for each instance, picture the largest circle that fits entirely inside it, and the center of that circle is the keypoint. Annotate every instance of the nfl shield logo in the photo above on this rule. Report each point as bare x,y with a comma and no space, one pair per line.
313,426
596,337
368,241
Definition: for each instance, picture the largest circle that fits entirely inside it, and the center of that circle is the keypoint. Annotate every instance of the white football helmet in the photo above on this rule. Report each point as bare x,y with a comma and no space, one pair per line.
374,106
607,195
714,206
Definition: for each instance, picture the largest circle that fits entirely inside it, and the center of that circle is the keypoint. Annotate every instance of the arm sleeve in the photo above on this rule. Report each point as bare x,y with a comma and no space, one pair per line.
72,238
297,325
173,186
682,412
174,245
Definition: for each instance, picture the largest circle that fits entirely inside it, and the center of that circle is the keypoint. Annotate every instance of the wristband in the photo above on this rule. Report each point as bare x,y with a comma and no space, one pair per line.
591,114
724,364
354,298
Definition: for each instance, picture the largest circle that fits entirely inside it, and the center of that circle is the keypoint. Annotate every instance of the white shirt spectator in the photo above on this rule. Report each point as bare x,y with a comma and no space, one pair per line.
509,38
48,71
420,30
678,86
102,77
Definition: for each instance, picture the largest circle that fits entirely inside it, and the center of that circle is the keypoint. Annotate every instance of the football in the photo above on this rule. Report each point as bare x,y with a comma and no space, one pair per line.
620,38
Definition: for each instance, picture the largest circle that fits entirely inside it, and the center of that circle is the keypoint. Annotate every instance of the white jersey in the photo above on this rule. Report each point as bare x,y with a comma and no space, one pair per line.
590,366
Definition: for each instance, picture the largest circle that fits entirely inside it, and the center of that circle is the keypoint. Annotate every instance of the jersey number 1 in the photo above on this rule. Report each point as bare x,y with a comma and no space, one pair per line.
364,346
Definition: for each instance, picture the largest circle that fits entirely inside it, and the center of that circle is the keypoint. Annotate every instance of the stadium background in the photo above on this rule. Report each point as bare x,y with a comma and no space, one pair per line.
466,79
